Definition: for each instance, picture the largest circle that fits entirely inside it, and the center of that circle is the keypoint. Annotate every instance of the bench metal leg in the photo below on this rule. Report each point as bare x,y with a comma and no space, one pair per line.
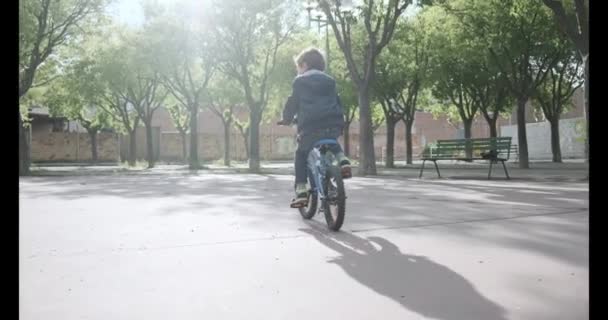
490,172
506,172
421,169
437,168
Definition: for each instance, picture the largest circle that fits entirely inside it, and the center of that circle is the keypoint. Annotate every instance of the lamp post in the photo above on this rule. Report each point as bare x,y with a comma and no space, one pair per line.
321,22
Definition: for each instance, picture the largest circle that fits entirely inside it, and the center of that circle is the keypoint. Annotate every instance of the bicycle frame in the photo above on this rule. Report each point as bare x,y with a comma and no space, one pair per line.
318,162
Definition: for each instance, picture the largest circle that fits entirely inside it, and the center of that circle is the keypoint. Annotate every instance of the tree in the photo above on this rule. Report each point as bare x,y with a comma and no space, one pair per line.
519,37
181,119
408,104
147,95
243,128
459,98
113,70
76,96
222,97
387,88
491,94
403,73
45,26
348,98
347,91
144,89
575,23
248,36
186,64
554,95
379,19
483,79
454,72
526,59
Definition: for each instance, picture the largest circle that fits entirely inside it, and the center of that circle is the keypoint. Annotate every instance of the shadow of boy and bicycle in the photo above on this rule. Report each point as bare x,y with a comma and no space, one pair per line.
416,282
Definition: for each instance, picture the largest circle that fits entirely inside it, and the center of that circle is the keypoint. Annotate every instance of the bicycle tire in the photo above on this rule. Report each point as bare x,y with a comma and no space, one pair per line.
334,223
311,209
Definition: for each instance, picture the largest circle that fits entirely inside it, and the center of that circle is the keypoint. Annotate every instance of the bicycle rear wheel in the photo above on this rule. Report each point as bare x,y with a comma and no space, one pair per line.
334,204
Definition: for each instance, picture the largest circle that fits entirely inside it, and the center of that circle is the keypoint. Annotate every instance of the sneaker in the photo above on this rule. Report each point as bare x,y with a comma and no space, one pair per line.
345,168
301,199
346,171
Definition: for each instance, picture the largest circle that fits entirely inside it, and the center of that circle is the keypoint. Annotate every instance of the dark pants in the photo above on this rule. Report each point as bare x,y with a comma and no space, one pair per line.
306,143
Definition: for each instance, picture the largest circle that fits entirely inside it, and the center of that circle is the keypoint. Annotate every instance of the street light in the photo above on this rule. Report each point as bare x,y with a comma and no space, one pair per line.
318,18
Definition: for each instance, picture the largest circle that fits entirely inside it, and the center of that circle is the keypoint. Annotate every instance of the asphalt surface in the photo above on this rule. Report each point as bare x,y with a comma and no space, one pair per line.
182,245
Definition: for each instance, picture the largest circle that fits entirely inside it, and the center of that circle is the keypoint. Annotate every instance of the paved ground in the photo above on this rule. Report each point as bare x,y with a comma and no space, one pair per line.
209,246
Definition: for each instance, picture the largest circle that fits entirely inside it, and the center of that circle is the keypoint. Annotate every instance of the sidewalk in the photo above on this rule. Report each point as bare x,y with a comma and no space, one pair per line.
539,171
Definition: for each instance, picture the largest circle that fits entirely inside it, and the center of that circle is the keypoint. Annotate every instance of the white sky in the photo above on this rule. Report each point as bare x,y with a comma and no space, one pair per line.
127,11
130,11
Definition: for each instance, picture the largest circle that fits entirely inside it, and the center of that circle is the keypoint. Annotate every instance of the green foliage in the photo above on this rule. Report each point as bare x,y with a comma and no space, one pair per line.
282,77
76,96
45,28
378,116
554,95
580,128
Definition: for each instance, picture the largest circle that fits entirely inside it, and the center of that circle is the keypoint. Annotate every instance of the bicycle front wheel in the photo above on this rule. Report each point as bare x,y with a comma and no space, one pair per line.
334,204
311,208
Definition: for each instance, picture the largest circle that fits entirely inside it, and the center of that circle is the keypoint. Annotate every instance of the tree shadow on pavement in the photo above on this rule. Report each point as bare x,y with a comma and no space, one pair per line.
416,282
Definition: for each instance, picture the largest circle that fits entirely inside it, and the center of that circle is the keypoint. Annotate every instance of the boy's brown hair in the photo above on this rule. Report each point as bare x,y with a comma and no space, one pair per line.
313,57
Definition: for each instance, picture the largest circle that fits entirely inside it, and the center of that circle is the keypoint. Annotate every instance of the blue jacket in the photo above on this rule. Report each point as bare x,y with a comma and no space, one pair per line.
315,102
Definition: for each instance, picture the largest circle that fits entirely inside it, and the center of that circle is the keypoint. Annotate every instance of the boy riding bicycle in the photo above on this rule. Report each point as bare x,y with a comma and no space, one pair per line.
318,110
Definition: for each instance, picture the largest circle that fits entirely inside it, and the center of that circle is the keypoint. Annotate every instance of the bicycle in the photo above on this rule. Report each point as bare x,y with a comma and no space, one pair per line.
326,184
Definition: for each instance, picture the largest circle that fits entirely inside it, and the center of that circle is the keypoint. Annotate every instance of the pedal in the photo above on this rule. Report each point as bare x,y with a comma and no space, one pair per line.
297,205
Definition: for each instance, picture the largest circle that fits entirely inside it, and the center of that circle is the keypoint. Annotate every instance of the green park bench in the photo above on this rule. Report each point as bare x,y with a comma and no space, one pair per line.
490,149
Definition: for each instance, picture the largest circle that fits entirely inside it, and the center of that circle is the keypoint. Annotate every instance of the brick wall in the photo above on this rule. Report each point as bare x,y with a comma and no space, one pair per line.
72,146
276,142
140,144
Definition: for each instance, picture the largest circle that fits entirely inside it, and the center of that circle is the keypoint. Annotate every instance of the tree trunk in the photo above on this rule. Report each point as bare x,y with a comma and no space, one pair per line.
390,143
24,149
246,142
367,158
468,123
132,147
347,139
522,139
254,138
227,143
408,141
493,128
586,88
184,146
93,135
194,162
555,145
149,144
